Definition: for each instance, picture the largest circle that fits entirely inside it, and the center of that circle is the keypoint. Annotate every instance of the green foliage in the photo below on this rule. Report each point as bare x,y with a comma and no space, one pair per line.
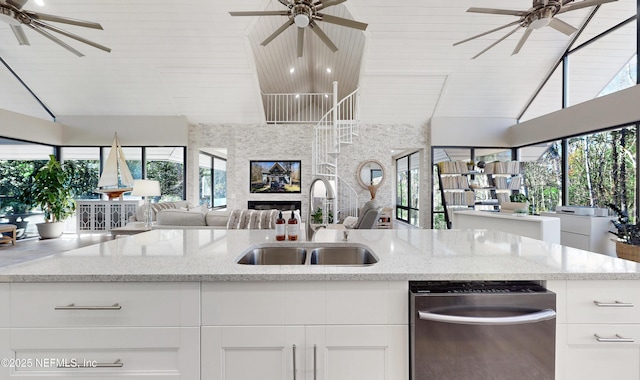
316,217
83,178
171,178
16,178
627,232
518,197
51,192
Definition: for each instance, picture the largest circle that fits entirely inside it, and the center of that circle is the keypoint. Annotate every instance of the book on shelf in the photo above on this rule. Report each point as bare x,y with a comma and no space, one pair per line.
503,167
457,182
453,167
462,198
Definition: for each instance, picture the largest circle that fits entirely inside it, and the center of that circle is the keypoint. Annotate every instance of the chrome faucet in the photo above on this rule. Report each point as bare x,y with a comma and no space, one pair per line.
310,230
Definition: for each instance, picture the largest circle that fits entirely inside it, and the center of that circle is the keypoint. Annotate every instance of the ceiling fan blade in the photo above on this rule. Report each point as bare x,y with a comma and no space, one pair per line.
316,29
562,26
284,2
277,32
260,13
583,4
342,21
495,43
493,11
71,35
63,20
19,33
17,3
326,4
488,32
300,41
55,39
524,38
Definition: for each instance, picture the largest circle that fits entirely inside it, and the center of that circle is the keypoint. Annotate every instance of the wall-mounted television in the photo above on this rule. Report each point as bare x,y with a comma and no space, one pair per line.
274,177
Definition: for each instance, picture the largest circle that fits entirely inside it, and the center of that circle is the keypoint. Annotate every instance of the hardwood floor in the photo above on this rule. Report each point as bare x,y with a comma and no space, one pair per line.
34,248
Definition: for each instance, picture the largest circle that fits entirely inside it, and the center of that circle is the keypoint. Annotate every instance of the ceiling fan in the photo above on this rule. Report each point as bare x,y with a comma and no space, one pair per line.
541,14
303,14
11,12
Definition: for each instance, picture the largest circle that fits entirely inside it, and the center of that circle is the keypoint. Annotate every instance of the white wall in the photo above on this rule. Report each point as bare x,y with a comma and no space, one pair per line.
470,131
23,127
615,109
132,130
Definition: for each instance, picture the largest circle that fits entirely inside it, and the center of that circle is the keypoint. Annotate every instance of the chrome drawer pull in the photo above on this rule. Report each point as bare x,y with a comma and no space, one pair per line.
315,362
72,306
617,339
93,364
294,362
614,304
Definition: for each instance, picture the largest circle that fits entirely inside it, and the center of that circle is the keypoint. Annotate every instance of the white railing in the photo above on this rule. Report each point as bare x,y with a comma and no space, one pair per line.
337,126
296,108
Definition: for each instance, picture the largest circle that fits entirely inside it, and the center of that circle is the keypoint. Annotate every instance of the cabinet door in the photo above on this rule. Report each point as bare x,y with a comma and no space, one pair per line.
357,352
581,357
252,352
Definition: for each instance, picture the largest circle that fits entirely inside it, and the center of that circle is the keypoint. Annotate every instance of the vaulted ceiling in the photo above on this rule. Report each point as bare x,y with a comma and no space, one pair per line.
191,58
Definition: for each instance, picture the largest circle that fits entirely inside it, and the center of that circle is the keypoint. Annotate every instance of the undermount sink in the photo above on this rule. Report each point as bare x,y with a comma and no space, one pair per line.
349,255
274,256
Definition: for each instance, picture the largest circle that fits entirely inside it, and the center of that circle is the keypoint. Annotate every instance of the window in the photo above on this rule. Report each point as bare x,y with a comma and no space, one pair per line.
602,169
542,169
213,180
408,188
83,165
166,165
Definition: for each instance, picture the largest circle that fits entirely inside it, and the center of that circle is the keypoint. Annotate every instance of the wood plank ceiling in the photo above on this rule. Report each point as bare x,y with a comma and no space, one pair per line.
191,58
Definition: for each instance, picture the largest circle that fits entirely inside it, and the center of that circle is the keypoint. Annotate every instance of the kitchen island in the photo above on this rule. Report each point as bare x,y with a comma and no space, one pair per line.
174,304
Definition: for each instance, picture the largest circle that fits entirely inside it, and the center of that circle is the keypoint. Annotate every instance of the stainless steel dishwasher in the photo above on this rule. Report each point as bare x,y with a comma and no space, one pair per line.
482,330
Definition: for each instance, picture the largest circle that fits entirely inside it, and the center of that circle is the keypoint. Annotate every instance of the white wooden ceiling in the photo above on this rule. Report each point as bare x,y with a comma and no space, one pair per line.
191,58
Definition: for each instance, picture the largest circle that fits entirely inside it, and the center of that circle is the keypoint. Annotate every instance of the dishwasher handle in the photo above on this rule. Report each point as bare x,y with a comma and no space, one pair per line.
538,316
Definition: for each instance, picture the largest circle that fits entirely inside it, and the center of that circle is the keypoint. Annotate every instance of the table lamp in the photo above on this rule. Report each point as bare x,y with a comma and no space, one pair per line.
146,188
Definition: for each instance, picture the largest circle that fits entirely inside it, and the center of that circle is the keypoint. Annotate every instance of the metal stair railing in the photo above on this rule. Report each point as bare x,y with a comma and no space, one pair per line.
336,127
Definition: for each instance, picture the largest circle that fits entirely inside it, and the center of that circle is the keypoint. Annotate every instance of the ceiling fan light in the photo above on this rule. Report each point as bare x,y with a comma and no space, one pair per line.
301,20
540,23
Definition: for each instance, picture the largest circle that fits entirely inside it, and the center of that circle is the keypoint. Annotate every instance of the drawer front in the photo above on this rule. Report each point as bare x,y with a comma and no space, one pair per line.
571,239
123,353
604,335
104,304
263,303
603,302
576,224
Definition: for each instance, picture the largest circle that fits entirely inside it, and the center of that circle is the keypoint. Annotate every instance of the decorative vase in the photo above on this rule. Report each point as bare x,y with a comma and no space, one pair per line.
628,251
50,230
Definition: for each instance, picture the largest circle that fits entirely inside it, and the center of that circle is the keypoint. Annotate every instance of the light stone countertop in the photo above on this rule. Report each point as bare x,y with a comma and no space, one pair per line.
407,254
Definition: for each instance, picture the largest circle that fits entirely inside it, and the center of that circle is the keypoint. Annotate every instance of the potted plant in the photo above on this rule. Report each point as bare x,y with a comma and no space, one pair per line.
628,242
519,203
52,194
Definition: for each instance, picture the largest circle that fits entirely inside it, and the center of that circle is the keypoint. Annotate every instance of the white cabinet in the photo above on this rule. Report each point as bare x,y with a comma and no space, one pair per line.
101,331
340,330
590,233
600,337
313,352
252,352
94,216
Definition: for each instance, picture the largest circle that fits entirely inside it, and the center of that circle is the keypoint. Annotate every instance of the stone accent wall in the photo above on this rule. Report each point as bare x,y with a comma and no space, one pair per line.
295,142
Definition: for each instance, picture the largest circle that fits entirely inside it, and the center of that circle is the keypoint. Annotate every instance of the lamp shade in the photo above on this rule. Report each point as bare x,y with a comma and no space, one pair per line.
146,188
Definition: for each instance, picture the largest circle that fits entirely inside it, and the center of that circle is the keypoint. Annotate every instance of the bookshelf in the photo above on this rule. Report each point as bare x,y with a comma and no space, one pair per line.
464,189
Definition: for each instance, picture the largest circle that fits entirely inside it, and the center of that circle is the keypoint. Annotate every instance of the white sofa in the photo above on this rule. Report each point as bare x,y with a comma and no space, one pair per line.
169,215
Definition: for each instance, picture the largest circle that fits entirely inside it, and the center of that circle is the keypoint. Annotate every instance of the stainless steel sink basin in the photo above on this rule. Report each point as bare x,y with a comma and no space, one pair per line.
274,256
347,255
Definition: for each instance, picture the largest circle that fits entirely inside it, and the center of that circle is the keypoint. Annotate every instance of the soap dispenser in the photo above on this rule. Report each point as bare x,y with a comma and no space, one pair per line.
280,227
